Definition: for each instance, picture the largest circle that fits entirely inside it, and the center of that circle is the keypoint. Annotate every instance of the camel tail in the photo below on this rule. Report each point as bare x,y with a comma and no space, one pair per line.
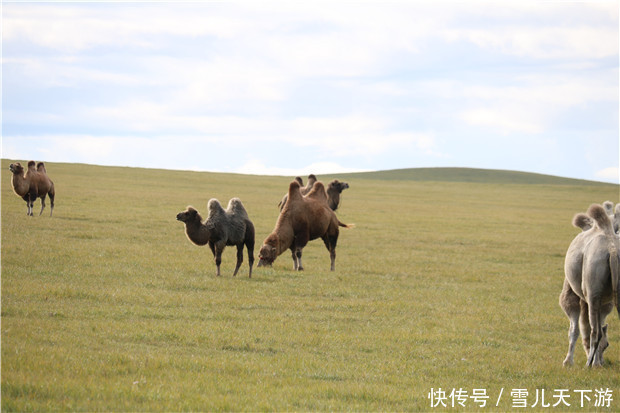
340,224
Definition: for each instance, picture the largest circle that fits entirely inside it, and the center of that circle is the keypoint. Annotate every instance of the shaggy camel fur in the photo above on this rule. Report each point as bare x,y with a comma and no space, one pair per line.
223,227
613,215
591,287
334,189
585,222
302,219
32,185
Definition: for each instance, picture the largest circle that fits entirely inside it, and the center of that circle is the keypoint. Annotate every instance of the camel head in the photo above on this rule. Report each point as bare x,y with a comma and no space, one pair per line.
16,168
337,186
334,189
340,186
189,215
268,252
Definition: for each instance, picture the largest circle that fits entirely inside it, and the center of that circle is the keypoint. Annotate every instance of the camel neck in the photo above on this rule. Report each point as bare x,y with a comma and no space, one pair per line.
20,185
197,232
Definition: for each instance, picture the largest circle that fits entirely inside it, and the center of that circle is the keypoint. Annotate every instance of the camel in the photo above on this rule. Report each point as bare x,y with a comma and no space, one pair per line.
334,189
32,185
302,219
591,284
303,189
222,227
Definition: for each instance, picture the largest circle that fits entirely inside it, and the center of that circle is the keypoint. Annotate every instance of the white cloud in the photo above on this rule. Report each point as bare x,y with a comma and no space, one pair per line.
257,167
341,81
611,174
505,119
544,42
72,29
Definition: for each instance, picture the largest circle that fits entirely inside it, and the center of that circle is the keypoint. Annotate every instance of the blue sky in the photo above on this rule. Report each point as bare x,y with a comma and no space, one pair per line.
291,88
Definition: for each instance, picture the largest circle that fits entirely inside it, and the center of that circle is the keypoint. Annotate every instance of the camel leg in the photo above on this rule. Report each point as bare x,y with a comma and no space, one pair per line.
30,208
51,204
42,204
569,301
27,199
332,258
250,248
300,267
33,197
218,259
330,244
239,258
29,203
584,326
595,335
294,255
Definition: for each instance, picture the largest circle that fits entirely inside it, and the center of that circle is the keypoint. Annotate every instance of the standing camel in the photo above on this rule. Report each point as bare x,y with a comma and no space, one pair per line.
591,284
222,227
32,185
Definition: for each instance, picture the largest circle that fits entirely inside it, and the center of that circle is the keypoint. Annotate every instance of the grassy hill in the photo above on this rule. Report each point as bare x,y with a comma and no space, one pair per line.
469,175
441,285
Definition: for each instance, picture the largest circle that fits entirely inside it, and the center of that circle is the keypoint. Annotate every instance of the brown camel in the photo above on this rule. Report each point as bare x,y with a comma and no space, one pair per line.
302,219
32,185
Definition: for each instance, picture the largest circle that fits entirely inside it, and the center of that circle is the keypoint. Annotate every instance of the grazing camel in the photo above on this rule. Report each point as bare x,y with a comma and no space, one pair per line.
222,227
32,185
302,219
591,284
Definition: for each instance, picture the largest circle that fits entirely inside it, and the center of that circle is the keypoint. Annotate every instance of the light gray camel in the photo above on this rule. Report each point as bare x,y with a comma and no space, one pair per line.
590,288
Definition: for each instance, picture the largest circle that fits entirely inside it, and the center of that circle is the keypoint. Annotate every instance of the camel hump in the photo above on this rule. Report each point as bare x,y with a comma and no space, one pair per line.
317,192
235,206
583,221
31,165
294,192
600,217
609,207
214,207
41,167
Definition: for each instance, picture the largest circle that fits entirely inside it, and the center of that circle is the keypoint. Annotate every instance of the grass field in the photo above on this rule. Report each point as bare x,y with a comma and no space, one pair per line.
106,306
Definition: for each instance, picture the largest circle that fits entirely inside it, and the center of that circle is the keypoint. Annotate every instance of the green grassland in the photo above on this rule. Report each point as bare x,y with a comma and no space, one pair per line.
106,306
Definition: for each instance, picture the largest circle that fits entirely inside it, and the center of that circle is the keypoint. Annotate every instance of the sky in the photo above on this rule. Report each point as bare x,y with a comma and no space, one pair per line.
294,87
